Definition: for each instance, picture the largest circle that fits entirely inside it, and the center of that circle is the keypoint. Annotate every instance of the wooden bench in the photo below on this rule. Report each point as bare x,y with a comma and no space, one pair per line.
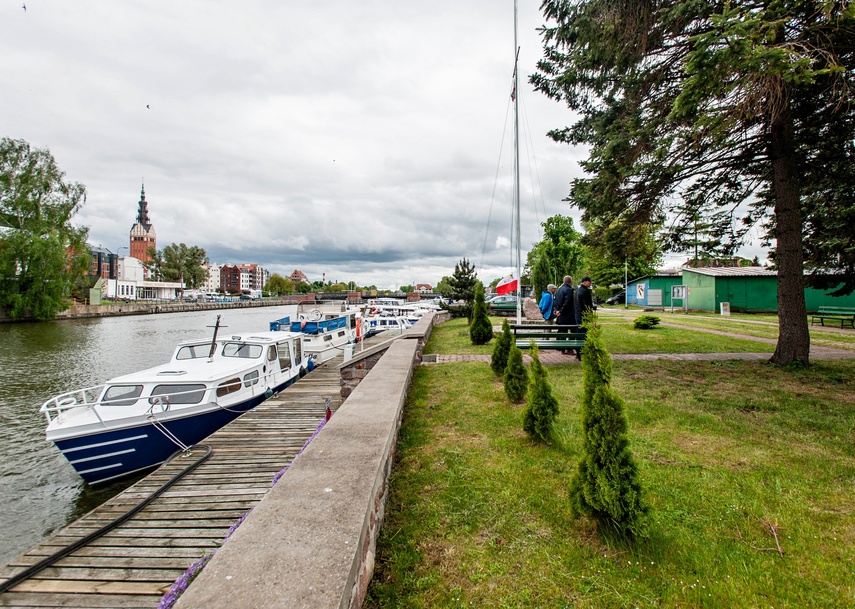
844,315
548,336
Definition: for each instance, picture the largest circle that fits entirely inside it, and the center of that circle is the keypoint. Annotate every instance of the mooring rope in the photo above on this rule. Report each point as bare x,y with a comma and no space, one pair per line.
45,563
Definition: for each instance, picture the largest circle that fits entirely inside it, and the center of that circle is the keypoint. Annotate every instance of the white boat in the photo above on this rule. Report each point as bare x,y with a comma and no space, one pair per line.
137,421
386,323
325,334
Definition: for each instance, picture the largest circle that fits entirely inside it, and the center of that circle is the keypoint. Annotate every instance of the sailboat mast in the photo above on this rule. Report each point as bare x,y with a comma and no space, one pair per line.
517,168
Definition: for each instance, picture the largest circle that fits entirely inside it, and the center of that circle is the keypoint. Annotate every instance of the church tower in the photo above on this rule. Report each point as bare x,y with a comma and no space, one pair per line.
142,232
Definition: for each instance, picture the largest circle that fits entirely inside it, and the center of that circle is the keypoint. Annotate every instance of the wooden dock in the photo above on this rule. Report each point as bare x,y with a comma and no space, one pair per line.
135,564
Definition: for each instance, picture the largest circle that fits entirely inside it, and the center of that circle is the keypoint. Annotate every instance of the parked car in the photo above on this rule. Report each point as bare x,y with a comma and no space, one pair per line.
619,298
506,302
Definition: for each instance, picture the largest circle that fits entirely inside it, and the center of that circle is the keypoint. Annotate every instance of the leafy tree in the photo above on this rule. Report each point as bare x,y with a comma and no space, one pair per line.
179,263
480,330
560,251
733,112
542,407
606,486
501,350
277,284
304,288
443,288
515,379
41,254
610,261
406,289
463,281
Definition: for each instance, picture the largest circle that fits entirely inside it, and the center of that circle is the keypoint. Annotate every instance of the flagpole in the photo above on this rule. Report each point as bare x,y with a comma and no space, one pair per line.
517,168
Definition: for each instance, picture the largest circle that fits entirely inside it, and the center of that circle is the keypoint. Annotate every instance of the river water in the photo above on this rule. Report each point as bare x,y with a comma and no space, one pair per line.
39,491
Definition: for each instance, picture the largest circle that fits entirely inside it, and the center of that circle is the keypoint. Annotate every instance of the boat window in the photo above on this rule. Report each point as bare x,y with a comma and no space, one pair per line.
242,350
298,351
271,353
250,379
122,395
230,386
284,356
341,333
181,394
193,351
327,337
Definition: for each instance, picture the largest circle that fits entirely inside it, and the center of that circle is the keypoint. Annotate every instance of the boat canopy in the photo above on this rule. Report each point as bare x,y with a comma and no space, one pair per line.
318,327
280,325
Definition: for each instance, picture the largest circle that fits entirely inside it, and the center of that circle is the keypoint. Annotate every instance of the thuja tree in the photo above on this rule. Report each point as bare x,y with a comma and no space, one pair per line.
606,486
516,376
542,407
480,330
501,349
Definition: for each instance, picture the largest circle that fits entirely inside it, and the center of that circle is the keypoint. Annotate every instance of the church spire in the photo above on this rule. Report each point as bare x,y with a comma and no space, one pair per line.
142,215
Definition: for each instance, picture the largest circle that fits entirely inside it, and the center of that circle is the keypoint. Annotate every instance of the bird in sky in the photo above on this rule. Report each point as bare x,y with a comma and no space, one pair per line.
24,6
147,106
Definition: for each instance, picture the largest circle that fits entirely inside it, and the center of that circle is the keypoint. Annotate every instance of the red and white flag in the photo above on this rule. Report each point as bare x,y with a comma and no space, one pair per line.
507,285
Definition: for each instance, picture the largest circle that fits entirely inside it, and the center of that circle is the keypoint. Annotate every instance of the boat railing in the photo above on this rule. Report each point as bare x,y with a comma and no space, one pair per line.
78,399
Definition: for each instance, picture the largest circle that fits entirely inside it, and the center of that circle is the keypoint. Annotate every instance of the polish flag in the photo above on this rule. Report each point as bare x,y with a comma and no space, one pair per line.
508,284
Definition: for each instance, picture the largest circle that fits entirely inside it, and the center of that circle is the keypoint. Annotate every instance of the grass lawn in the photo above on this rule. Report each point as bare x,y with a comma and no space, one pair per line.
750,470
619,335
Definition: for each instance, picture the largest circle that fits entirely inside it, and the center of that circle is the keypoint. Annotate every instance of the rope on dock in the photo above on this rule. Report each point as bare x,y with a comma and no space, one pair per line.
69,549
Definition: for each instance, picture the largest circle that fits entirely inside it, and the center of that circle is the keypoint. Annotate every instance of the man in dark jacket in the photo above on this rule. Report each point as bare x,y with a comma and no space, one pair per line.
565,309
584,299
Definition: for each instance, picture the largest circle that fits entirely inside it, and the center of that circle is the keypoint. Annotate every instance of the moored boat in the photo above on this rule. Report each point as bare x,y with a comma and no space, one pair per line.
325,334
136,421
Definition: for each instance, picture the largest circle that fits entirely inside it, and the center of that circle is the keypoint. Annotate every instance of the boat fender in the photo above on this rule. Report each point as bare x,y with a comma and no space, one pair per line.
310,364
303,371
268,394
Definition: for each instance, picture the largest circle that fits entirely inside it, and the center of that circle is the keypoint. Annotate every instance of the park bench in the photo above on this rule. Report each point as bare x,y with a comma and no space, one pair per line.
548,336
843,315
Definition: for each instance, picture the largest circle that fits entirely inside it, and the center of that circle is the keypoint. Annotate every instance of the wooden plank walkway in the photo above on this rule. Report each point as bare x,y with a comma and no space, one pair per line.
136,563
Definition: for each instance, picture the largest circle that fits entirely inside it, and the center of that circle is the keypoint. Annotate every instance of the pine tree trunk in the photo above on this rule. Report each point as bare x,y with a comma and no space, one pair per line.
793,336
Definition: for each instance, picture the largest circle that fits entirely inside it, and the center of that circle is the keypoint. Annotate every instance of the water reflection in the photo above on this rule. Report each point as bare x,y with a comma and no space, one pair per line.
39,490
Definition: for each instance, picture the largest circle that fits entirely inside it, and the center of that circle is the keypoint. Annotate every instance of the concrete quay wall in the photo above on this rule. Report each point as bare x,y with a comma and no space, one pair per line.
311,541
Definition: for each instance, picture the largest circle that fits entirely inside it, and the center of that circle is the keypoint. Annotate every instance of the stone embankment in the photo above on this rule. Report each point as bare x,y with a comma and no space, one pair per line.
81,311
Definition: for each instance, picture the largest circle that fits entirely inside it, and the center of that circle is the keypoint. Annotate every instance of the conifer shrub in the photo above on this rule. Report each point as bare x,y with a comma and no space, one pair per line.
606,486
542,407
501,349
480,329
516,376
645,322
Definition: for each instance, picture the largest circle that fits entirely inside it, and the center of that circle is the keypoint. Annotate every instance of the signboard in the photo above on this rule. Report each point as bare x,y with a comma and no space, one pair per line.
680,292
639,292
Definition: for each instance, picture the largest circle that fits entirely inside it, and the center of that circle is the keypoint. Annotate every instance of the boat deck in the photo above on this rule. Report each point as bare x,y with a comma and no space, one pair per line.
136,563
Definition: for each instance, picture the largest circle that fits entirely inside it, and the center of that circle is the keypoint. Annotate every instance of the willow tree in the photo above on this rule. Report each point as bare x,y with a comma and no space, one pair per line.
728,112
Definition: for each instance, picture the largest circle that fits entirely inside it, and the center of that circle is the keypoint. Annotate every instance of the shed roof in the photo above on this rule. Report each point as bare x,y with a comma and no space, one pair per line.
734,271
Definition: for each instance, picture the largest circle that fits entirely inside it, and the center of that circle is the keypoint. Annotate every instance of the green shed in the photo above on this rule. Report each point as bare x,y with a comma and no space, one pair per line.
653,290
747,289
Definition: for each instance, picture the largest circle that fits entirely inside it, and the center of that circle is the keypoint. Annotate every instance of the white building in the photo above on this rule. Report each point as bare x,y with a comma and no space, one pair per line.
131,284
212,281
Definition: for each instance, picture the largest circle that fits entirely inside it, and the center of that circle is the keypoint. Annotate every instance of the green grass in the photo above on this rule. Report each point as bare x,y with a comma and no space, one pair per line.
619,335
478,515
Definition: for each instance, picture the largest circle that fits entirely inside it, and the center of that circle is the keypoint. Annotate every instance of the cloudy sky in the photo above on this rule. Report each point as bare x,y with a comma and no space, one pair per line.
366,141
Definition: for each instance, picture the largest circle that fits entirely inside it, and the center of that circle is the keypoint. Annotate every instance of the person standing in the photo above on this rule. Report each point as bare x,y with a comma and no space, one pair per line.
584,299
547,304
565,310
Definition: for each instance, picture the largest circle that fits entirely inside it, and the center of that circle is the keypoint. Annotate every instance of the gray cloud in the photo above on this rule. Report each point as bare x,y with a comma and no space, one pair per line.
360,140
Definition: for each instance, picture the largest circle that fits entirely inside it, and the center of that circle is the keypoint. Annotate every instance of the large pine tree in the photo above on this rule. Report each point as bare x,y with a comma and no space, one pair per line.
732,112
